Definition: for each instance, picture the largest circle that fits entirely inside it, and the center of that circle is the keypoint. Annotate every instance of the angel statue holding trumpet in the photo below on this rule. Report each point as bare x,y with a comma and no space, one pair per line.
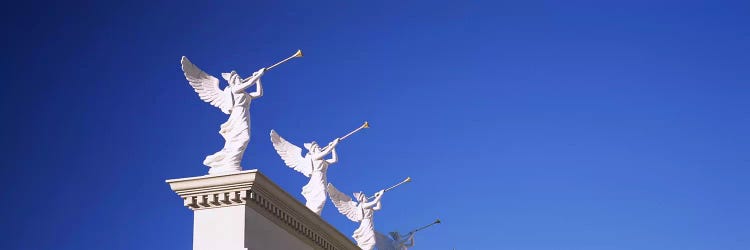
234,101
312,165
395,242
398,241
361,211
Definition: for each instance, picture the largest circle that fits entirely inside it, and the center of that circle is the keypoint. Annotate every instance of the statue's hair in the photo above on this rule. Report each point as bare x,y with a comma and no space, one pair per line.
228,76
308,146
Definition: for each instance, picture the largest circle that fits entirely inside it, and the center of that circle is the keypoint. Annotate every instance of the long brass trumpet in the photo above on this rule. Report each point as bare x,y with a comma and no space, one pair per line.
408,179
433,223
364,126
297,54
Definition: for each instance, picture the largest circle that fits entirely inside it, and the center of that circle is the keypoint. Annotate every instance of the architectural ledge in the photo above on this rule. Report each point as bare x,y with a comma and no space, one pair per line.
254,190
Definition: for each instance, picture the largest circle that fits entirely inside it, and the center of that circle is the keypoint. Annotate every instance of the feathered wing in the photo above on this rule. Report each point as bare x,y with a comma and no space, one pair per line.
207,87
344,204
383,242
291,154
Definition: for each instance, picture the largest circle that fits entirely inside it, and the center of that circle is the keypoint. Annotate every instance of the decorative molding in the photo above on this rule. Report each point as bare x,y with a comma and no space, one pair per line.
255,191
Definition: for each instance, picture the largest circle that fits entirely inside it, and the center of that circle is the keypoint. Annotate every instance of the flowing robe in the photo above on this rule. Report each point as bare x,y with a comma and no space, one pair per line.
236,133
315,190
365,233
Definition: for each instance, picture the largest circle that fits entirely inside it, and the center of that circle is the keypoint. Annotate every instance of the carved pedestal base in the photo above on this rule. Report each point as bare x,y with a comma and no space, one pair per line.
246,211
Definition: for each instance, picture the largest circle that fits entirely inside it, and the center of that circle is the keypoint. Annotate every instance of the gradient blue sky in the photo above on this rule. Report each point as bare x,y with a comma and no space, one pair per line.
526,125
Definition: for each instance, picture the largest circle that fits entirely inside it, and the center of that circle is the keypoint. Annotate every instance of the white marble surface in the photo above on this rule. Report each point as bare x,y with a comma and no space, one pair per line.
361,211
312,165
232,100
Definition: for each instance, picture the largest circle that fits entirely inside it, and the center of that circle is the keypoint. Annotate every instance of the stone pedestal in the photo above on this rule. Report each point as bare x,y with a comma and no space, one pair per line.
246,211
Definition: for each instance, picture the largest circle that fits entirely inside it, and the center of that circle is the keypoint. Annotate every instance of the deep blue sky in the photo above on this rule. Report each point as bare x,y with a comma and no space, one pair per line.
526,125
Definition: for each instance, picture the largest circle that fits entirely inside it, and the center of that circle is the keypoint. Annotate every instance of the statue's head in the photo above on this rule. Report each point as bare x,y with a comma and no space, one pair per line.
361,197
395,236
312,147
232,77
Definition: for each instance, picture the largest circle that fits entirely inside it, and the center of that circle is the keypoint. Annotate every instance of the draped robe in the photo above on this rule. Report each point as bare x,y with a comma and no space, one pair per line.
236,133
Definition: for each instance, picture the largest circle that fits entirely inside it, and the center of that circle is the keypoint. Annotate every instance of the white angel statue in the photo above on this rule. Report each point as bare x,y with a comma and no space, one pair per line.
232,100
360,211
311,165
395,242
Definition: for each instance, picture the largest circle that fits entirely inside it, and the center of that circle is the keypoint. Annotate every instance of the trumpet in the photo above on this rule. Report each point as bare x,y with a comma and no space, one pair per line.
433,223
297,54
364,126
408,179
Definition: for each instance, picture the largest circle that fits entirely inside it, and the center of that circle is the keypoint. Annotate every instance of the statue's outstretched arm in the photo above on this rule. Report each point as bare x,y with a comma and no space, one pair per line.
334,157
375,204
250,80
411,241
242,86
258,90
328,149
378,206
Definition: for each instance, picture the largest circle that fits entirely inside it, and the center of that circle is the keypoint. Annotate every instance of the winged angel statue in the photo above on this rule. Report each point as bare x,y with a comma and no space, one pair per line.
232,100
311,165
360,211
395,242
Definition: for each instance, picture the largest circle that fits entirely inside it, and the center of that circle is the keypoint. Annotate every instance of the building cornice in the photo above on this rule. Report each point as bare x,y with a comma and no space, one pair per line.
254,190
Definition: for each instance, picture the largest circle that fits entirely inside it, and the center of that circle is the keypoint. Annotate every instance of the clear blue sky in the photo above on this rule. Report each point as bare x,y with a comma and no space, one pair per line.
525,125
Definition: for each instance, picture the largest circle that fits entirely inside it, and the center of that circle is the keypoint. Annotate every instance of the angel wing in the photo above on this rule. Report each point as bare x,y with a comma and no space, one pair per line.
292,155
383,242
207,87
344,204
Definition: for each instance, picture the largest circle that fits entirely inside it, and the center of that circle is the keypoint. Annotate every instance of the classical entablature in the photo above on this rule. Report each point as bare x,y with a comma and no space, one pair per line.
237,201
